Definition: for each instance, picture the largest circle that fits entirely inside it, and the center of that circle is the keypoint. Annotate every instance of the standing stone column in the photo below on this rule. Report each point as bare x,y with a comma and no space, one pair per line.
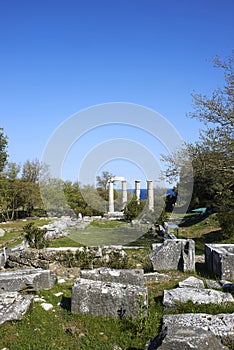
124,193
138,189
111,197
150,195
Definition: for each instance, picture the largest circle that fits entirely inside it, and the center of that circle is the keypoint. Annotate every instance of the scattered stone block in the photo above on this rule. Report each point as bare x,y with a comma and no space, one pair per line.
193,331
14,306
108,299
213,284
2,232
38,299
47,306
192,282
175,254
219,259
26,280
155,277
61,280
126,276
200,296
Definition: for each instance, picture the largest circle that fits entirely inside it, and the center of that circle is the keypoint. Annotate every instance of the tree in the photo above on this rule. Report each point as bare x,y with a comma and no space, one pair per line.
55,202
134,208
31,171
12,170
10,190
212,156
3,150
217,141
102,181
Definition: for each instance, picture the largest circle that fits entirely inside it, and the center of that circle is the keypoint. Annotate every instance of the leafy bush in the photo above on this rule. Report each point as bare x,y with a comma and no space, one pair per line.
133,209
35,237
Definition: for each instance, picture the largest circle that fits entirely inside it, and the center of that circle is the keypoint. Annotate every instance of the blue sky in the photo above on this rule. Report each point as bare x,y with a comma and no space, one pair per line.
59,57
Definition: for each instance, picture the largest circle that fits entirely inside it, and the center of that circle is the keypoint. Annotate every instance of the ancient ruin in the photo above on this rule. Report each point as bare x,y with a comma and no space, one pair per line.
13,306
193,331
219,260
174,254
26,280
196,295
131,276
116,300
150,193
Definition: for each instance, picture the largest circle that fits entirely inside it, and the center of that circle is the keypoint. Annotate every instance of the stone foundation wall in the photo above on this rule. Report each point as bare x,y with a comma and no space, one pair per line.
83,257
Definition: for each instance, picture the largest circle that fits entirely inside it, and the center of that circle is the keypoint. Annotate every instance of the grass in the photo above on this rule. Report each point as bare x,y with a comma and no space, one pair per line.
61,330
108,223
63,242
105,234
202,229
213,309
14,231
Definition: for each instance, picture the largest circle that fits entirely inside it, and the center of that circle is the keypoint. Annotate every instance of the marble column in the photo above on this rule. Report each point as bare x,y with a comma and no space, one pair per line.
138,189
111,197
150,195
124,193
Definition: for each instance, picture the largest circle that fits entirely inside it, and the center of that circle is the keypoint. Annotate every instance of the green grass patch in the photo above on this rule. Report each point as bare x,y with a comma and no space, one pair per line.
108,223
213,309
14,229
202,229
61,330
63,242
97,236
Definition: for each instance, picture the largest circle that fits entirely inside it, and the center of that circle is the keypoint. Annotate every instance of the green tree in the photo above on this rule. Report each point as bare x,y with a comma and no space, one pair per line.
212,155
10,188
102,181
55,202
3,149
217,141
31,171
74,197
134,208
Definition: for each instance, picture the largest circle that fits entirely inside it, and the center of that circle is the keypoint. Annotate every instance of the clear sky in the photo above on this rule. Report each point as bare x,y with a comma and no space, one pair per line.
58,57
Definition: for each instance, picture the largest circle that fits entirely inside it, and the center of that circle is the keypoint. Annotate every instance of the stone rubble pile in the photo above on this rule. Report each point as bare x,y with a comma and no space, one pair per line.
193,331
33,258
196,295
60,228
14,305
193,289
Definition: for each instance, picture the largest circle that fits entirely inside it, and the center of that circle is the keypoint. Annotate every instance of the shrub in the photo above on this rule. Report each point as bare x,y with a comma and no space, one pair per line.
35,237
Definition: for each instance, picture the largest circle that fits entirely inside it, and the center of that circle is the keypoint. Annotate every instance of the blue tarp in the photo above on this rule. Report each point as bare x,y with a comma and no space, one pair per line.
199,210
